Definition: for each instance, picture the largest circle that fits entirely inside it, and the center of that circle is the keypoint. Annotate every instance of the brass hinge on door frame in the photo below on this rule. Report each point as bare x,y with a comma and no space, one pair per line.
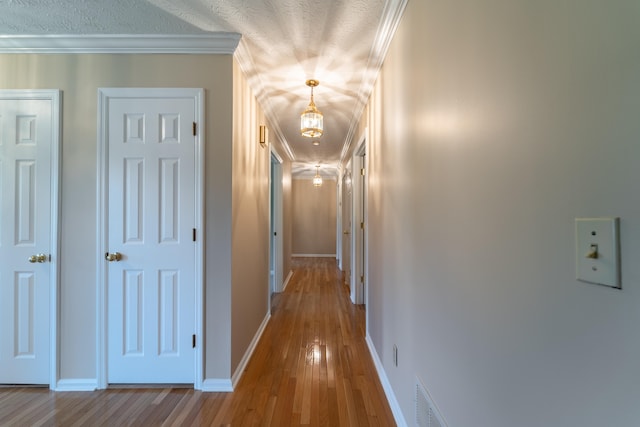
194,128
362,171
361,279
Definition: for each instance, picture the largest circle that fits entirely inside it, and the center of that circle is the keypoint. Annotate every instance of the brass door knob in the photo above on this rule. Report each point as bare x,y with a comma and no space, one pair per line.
38,258
115,256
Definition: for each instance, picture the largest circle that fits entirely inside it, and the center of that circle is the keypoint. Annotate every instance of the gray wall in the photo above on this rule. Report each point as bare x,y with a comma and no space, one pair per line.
493,125
313,217
250,227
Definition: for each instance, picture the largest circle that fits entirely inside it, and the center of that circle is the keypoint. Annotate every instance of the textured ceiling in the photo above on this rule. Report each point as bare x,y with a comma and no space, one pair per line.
284,43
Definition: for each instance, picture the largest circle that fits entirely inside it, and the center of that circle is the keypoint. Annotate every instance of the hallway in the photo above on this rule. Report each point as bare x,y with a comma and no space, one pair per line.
311,367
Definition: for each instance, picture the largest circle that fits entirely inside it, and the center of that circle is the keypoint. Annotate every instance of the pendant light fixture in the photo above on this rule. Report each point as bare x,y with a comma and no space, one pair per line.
311,118
317,180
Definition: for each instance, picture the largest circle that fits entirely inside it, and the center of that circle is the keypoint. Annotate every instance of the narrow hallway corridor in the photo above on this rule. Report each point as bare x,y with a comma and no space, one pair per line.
311,367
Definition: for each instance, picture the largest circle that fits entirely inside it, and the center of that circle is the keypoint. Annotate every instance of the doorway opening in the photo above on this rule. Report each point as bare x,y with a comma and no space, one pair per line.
276,259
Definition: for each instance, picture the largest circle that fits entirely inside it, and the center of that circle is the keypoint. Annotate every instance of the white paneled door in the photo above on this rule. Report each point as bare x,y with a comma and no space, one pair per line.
28,147
150,244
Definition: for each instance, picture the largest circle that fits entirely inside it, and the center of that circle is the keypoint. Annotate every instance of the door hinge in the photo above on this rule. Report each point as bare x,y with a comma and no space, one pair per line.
362,171
193,341
361,279
194,128
362,225
194,234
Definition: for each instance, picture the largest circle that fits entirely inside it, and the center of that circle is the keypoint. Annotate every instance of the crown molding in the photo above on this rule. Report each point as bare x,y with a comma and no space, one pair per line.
213,43
391,17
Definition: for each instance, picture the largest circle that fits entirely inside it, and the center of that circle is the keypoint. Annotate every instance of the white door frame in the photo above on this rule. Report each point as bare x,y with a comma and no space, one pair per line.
359,238
339,257
275,200
55,96
104,95
346,213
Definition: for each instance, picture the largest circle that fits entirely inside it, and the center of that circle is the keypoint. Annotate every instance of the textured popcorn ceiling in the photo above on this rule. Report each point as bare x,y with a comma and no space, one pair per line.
284,42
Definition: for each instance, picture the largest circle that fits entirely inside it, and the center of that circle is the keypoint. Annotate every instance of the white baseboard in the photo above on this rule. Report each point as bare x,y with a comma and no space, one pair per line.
313,255
286,281
217,385
386,385
247,354
77,384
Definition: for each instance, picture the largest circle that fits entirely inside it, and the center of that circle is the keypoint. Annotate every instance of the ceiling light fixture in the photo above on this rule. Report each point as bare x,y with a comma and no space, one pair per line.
316,142
311,118
317,180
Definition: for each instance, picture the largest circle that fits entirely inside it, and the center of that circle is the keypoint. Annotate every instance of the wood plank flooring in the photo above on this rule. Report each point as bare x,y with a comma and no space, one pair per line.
311,367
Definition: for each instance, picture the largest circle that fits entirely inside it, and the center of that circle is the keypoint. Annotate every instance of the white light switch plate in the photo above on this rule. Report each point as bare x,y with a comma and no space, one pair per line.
597,251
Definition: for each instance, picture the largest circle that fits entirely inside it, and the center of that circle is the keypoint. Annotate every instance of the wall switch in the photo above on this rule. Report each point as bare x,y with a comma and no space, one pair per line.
598,251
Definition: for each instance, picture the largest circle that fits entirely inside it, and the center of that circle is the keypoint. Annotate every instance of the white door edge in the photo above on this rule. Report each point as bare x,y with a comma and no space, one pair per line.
104,95
55,96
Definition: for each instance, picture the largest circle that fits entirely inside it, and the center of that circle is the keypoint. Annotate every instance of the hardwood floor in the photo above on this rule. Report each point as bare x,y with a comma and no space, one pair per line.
311,367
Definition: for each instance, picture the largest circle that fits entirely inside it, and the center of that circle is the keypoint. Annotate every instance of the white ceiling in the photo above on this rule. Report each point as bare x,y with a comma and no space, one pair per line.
284,42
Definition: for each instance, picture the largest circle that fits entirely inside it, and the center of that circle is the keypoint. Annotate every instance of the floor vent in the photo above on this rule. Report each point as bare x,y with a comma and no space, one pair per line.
426,413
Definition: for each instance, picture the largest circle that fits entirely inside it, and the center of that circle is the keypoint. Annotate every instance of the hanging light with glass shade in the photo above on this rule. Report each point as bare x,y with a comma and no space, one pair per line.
317,180
311,118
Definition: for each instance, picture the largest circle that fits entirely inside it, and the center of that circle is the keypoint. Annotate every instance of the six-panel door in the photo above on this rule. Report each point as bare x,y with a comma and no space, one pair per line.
151,211
25,240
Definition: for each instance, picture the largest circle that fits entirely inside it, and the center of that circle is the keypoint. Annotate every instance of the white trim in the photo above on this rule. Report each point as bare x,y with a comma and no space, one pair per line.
286,281
359,240
386,385
313,255
77,384
55,96
104,94
276,154
276,243
101,238
346,204
213,43
391,15
339,234
216,385
235,378
56,170
199,98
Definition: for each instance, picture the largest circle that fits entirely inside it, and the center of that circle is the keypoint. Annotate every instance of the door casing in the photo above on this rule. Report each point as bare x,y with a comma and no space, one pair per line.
104,95
359,236
347,227
275,202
